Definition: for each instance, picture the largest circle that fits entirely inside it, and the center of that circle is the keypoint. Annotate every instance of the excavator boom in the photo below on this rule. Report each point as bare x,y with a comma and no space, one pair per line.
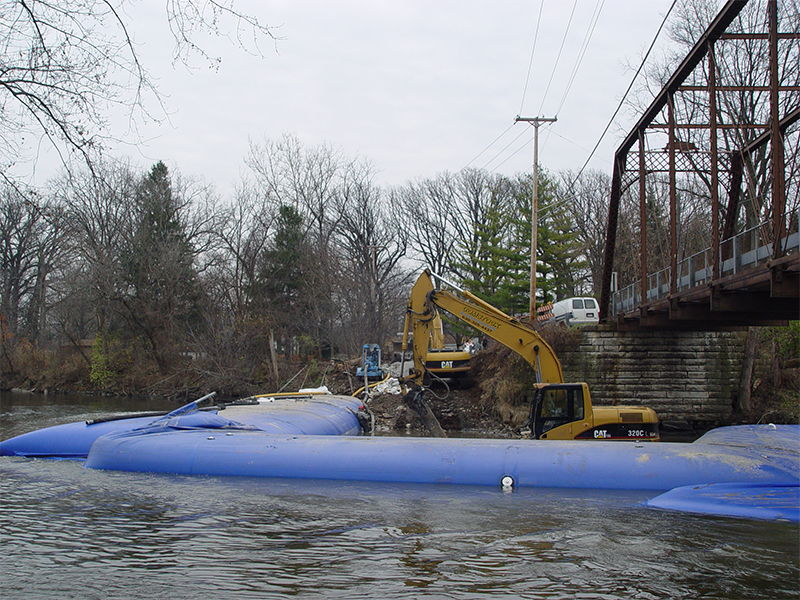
559,410
425,300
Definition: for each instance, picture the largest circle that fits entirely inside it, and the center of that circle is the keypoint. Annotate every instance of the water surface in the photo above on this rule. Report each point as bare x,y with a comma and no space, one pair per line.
69,532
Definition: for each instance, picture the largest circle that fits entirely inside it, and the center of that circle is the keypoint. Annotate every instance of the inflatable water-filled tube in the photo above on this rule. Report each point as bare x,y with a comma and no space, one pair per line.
299,413
750,471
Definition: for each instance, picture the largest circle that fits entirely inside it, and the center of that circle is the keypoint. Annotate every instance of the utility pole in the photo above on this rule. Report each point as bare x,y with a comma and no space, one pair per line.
535,121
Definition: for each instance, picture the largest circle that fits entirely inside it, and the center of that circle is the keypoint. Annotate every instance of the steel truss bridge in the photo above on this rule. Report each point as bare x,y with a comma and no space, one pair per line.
750,274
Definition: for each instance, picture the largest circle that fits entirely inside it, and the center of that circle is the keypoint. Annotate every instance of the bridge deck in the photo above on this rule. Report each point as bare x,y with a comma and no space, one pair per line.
752,289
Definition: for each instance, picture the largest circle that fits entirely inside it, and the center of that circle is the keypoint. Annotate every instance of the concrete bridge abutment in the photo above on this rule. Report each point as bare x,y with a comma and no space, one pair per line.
690,379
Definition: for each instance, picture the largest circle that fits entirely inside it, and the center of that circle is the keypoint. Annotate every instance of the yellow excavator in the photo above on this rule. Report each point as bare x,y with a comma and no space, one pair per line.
445,362
559,411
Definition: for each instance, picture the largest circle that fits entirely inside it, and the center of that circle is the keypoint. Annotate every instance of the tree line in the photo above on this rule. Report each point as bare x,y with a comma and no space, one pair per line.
309,257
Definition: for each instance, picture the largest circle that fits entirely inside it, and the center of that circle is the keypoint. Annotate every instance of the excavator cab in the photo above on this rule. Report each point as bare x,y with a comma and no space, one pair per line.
558,411
564,411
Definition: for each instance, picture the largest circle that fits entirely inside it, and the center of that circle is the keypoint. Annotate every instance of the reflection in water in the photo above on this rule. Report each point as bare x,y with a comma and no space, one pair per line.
70,532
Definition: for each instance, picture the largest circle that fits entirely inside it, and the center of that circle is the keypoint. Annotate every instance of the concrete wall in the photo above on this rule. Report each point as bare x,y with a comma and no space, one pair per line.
688,378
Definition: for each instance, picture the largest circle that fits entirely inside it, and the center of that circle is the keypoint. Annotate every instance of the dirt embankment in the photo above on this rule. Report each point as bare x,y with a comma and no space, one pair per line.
492,403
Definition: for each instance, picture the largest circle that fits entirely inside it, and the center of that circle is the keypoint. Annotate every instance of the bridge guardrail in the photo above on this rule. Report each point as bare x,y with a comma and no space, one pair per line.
742,251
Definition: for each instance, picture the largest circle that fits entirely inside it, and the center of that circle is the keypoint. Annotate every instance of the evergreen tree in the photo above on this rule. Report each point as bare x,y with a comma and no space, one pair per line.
278,290
559,261
491,262
160,291
283,267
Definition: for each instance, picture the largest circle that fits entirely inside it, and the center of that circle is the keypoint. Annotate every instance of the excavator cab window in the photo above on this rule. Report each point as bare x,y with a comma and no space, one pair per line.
557,405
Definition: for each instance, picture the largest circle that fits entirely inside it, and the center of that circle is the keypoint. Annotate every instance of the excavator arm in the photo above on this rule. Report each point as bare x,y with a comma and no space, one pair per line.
425,300
558,411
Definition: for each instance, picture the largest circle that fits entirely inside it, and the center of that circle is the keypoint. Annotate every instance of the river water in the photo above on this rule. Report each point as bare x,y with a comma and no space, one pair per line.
68,532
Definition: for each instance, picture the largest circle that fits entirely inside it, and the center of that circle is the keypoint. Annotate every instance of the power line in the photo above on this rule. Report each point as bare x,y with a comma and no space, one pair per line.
514,153
587,38
582,52
487,147
558,56
622,101
569,141
504,149
524,92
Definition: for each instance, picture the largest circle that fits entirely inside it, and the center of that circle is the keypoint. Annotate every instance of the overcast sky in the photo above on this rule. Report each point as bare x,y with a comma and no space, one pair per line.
417,87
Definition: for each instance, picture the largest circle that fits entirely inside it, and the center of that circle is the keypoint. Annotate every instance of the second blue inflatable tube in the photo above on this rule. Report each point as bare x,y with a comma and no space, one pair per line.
653,466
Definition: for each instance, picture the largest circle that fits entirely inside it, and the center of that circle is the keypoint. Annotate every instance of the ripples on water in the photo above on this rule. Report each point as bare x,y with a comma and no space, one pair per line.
68,532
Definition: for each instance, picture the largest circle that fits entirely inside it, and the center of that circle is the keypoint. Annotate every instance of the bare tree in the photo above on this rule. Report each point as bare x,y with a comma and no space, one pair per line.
425,209
100,208
371,245
244,232
444,216
64,63
18,222
32,232
587,197
235,335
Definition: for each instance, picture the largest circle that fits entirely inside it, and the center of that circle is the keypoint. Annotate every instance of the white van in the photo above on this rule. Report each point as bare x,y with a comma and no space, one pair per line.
576,311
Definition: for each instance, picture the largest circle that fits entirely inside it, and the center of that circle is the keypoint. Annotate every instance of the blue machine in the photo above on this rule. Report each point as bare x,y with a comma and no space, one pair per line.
371,362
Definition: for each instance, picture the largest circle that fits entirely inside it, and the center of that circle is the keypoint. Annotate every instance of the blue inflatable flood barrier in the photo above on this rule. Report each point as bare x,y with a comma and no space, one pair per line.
71,440
290,414
745,471
748,500
748,471
569,464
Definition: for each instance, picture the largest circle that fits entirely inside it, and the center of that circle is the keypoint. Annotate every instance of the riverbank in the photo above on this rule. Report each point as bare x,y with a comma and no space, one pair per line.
495,405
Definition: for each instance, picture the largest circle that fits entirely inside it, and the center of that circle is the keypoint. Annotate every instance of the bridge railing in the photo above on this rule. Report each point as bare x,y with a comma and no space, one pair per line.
745,250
